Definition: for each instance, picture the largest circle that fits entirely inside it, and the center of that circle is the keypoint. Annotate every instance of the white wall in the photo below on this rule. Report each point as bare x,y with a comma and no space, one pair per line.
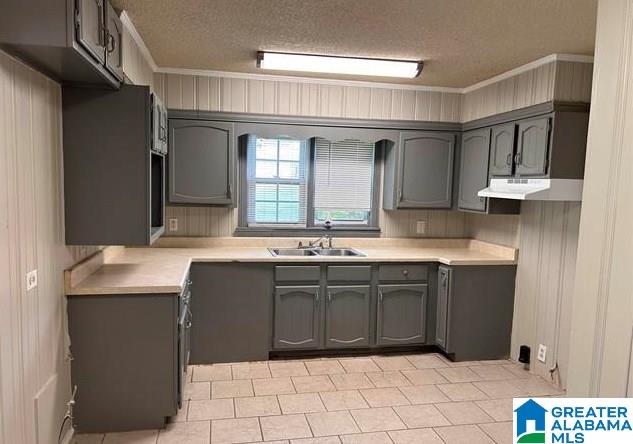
34,374
602,324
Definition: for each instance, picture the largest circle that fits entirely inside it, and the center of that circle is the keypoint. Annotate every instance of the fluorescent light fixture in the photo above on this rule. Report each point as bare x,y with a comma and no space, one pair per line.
338,65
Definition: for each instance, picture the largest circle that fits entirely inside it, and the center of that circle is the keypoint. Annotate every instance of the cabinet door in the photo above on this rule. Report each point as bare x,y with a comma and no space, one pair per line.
347,316
401,314
297,317
502,150
473,176
441,323
90,22
201,159
533,147
113,41
426,170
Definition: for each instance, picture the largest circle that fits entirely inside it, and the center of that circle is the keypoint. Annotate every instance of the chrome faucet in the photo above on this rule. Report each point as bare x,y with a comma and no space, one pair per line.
326,237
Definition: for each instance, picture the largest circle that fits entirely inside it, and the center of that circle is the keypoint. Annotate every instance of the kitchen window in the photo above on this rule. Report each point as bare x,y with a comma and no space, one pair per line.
301,184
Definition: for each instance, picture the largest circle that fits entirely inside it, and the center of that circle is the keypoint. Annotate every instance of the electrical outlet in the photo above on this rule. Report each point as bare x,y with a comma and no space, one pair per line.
173,224
420,227
31,280
542,353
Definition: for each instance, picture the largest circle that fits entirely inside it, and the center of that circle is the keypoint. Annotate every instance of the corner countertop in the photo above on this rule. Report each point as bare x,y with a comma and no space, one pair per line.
164,267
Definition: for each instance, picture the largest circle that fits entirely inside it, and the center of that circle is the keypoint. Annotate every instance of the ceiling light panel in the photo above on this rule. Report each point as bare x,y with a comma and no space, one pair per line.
338,65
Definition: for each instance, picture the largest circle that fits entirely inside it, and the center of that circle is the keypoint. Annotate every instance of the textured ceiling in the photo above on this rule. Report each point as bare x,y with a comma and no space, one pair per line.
461,41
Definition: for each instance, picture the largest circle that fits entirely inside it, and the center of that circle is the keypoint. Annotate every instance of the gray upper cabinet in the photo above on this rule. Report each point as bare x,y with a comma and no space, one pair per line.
473,175
112,41
441,321
419,170
401,314
65,39
502,149
90,20
533,137
201,162
297,317
347,316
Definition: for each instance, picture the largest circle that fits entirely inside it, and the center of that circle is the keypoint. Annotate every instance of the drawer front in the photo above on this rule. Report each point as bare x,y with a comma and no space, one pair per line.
403,272
290,273
349,273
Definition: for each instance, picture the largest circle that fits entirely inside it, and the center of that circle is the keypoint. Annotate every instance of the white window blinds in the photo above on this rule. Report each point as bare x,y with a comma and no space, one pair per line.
343,175
276,179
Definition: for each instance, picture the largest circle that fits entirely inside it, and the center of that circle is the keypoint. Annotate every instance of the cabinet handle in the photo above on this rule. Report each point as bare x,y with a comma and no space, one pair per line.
110,42
316,296
399,195
329,296
380,296
518,158
188,325
509,159
444,279
405,272
229,193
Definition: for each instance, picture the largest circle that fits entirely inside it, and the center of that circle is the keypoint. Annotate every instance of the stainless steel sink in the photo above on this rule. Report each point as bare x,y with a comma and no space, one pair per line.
315,252
292,252
339,252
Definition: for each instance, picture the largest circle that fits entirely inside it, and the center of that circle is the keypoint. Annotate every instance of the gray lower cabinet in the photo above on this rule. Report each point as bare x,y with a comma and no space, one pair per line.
202,162
232,311
401,314
347,316
502,149
473,176
474,311
533,139
125,365
419,170
297,316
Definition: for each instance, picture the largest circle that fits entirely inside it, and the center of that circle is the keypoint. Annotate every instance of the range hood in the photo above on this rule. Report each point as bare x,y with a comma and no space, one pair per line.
534,189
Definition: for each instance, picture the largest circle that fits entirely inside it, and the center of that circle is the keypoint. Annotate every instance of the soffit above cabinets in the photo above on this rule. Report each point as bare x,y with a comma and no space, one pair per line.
461,42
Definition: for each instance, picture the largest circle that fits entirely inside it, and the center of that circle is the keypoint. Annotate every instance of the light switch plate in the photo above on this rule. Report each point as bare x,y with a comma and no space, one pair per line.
31,280
542,353
420,227
173,224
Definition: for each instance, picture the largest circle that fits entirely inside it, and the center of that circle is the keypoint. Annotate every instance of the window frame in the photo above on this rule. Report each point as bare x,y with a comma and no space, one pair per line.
243,229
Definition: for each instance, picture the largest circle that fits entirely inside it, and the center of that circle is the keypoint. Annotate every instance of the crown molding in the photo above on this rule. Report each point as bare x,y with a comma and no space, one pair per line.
127,23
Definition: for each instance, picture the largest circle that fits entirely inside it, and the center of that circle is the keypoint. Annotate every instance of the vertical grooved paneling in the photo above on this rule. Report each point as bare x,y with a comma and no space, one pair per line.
256,96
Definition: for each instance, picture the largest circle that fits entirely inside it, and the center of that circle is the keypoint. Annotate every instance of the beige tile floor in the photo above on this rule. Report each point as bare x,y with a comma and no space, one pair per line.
409,399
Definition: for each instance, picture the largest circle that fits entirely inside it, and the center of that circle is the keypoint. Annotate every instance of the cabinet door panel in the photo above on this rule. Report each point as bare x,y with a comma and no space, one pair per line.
441,323
91,19
201,160
426,170
502,150
401,314
297,317
347,316
473,175
113,42
533,146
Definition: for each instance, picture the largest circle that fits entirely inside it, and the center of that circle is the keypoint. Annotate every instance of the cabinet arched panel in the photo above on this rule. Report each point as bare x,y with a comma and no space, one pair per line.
473,175
533,147
502,150
201,162
401,314
347,316
297,317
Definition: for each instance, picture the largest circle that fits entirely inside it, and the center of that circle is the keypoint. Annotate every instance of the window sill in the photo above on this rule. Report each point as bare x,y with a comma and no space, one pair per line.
312,231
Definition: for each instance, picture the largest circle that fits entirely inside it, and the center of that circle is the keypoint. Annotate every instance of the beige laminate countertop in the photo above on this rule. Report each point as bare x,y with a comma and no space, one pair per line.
164,269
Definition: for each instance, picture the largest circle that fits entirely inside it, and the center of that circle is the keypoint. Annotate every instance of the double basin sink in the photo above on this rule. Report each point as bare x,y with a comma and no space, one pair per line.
315,252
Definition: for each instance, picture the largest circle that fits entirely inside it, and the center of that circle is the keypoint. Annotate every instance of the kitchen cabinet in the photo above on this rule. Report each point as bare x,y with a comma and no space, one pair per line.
474,311
419,170
126,361
202,162
474,173
72,41
502,145
401,315
113,179
533,140
232,309
347,316
297,317
113,42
